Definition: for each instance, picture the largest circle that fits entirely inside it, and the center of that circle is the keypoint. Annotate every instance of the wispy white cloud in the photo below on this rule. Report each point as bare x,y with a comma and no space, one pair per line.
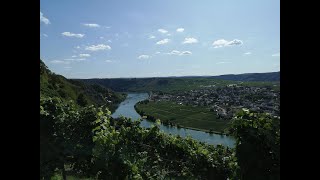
235,42
75,60
179,53
84,55
174,52
77,47
185,53
247,53
44,19
223,43
163,31
108,61
276,55
43,35
143,56
101,37
92,25
223,62
74,56
59,62
151,37
67,67
98,47
180,30
109,41
69,34
80,59
163,41
220,43
190,40
157,52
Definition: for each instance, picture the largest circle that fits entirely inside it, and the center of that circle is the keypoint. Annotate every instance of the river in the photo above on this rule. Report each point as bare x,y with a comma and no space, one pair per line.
126,108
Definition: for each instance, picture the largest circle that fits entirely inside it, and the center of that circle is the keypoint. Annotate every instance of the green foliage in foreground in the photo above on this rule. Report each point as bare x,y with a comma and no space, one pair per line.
258,145
87,142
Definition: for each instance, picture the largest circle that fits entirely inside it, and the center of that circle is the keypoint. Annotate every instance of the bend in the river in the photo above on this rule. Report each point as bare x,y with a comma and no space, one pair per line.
126,108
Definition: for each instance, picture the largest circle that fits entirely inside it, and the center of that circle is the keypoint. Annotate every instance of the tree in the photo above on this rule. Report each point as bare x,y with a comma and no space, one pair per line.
65,137
81,100
258,144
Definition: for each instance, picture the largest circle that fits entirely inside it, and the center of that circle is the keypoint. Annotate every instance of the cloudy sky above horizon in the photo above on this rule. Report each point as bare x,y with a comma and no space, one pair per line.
117,38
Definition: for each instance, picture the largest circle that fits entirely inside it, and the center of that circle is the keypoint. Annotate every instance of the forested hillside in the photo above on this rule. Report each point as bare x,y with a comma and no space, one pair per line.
168,84
54,85
272,76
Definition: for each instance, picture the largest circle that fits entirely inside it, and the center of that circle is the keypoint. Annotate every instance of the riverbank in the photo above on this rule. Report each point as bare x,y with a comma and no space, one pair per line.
206,131
193,128
114,105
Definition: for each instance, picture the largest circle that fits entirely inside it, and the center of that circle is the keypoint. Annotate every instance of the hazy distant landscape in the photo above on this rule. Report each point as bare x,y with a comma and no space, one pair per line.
168,84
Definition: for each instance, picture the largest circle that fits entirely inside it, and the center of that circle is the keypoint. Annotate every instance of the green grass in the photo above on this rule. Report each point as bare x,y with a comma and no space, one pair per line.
199,118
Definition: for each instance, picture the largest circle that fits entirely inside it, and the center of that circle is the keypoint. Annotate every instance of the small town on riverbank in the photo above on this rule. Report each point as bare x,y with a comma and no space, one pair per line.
225,101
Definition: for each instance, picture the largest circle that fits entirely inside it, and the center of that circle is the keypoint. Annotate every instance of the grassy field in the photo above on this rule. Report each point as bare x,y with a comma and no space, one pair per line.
199,118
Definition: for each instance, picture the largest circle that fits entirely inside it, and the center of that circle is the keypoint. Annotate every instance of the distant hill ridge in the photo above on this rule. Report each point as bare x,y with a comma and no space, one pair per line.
270,76
182,83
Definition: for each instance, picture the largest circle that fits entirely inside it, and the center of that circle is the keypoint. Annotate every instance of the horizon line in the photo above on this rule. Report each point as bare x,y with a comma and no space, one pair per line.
178,76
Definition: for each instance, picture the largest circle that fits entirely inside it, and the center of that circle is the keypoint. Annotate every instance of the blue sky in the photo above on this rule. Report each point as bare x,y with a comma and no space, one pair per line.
144,38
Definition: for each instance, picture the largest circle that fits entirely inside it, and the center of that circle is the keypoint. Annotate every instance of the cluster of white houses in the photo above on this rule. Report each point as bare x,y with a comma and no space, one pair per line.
227,100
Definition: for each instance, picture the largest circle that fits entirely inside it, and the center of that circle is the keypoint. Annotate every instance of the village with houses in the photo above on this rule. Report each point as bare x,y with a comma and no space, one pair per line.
227,100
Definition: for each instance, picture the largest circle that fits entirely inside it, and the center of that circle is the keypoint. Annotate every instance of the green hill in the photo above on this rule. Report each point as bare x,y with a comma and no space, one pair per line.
54,85
169,84
271,76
